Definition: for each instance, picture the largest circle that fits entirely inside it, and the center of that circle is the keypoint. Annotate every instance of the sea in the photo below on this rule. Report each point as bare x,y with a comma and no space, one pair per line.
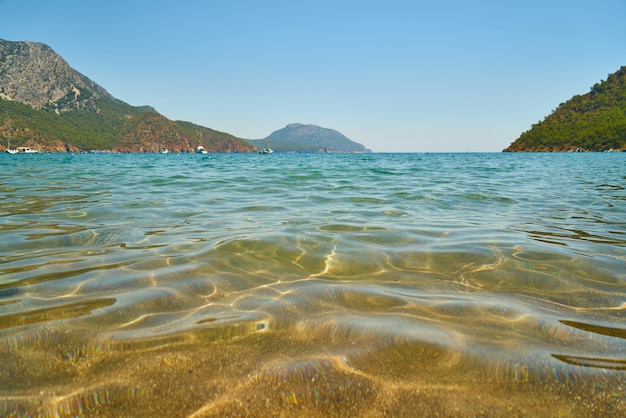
435,284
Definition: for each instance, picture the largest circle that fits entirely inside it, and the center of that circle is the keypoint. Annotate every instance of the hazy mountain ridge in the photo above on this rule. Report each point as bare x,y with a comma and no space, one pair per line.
297,137
595,121
45,104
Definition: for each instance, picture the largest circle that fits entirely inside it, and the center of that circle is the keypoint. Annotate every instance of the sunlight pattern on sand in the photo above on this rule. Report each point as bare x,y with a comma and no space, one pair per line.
313,284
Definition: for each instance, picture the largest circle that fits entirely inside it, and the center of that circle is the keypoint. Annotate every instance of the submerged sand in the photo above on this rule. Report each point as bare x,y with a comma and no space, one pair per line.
282,374
382,285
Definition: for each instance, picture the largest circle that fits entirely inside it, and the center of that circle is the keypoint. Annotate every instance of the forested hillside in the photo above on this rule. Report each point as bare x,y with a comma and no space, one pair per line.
595,121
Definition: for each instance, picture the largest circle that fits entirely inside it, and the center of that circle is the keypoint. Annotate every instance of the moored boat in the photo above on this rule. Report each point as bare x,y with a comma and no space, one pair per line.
267,150
9,149
23,150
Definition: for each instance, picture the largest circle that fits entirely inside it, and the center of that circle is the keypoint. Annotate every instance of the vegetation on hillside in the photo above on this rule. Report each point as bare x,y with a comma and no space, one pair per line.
82,129
214,140
595,121
112,126
47,105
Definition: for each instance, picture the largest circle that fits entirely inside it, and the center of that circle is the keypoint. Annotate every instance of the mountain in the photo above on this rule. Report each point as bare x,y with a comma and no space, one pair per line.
297,137
595,121
45,104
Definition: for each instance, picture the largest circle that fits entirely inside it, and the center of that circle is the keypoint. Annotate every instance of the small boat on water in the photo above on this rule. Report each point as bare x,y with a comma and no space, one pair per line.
267,150
22,150
200,149
9,149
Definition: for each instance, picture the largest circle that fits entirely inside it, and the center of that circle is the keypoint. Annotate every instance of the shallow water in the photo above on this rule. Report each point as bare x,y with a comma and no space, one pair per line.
194,285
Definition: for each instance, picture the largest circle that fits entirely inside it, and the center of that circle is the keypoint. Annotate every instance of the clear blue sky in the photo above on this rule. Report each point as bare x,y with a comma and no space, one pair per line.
393,75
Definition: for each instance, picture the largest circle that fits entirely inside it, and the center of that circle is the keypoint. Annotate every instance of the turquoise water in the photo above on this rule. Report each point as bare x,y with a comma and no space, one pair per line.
510,264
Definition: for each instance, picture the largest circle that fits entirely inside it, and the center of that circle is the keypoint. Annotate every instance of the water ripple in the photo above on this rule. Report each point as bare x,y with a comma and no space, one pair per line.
326,282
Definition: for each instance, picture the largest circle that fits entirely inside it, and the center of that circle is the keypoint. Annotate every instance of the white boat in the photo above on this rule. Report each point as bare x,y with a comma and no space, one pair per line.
9,149
23,150
267,150
200,149
165,151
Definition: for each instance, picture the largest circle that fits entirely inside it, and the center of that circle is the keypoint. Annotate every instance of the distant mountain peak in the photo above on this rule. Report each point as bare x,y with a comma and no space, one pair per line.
308,129
298,137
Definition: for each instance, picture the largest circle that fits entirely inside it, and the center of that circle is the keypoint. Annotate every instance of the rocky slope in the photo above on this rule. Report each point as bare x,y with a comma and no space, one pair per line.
33,74
45,104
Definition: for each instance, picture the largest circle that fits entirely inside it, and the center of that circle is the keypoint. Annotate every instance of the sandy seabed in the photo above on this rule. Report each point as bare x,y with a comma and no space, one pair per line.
281,374
457,285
